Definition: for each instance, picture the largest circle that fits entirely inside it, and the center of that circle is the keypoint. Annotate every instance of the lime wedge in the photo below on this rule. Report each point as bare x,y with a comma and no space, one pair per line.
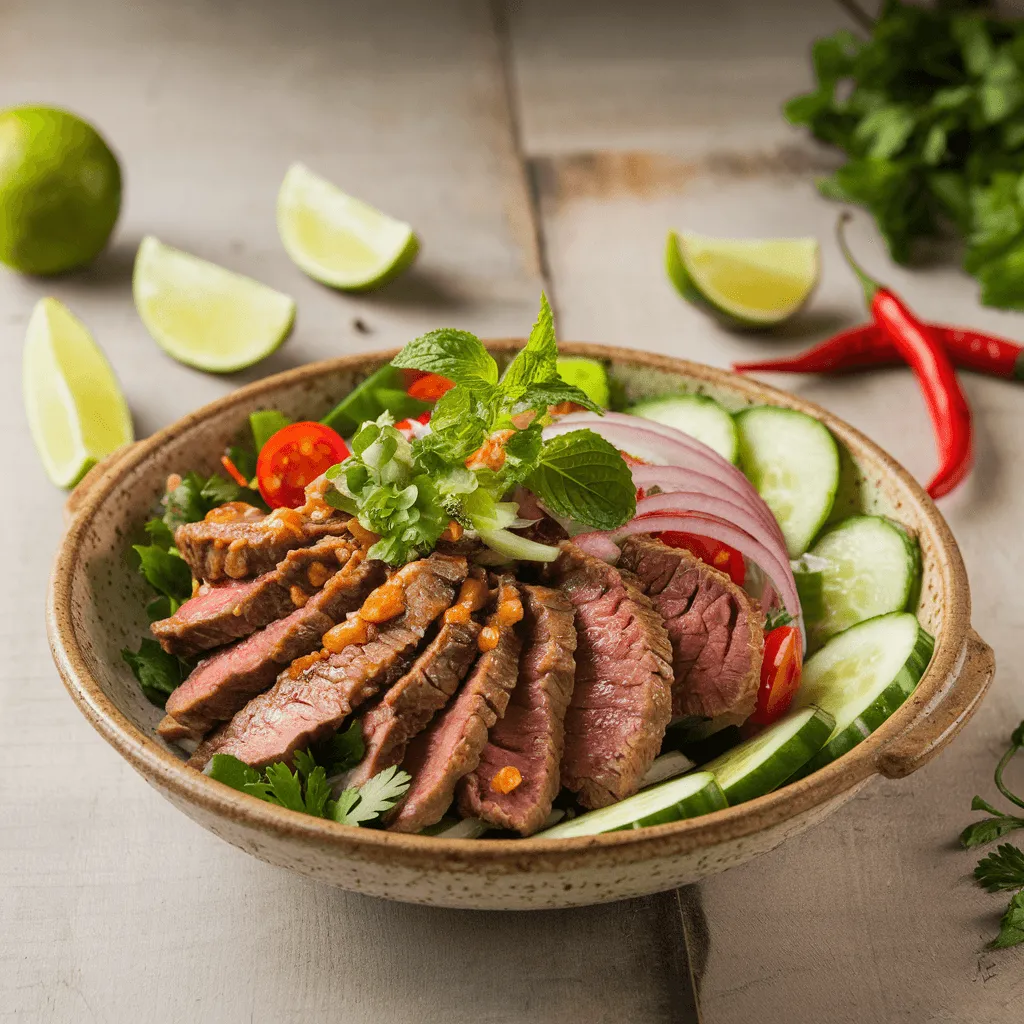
336,239
749,282
204,315
76,411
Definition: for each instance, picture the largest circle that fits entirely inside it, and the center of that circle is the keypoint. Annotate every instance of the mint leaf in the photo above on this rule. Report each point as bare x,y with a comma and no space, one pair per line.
1011,927
538,360
265,423
383,391
546,393
157,672
582,476
457,355
228,769
1003,869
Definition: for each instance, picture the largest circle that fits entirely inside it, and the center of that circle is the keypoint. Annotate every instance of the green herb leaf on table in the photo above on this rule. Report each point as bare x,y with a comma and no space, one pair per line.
582,476
1011,927
1003,869
988,830
157,672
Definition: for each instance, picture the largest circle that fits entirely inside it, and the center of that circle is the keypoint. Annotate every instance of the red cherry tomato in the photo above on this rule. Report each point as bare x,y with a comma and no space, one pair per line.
294,457
780,674
718,555
430,387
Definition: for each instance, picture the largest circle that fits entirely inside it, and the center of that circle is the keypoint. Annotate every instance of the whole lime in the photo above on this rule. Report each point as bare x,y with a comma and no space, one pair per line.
60,190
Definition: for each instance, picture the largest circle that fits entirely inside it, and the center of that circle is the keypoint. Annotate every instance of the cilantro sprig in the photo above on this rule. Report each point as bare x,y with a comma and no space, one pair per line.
407,492
929,111
308,789
1004,869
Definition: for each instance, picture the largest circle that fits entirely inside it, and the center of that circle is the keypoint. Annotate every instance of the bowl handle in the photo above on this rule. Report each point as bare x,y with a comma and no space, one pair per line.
942,717
82,490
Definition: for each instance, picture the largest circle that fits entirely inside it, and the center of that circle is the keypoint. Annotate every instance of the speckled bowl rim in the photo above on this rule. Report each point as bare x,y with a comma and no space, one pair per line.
165,770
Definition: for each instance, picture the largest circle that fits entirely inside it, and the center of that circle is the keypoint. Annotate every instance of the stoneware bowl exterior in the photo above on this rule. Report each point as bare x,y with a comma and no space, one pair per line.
96,603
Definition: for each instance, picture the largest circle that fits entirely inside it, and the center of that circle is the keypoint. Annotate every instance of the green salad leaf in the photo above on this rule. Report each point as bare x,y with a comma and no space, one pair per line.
382,391
265,423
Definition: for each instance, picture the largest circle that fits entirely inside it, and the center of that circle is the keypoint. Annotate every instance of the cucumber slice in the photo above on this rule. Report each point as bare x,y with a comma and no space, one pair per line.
685,797
764,762
697,415
869,566
589,376
861,676
793,462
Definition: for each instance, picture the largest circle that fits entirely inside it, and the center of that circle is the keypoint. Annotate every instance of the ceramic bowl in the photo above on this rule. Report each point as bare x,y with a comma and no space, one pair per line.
95,608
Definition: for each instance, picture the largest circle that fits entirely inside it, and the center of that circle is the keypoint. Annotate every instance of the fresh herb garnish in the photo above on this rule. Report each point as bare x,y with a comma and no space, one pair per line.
382,391
158,673
930,113
485,438
1004,869
777,618
307,789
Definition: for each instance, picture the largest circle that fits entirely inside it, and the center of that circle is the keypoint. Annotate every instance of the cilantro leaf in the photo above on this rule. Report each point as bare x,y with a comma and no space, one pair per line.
375,797
538,361
231,771
196,495
1011,927
279,785
318,792
157,672
988,830
457,355
345,749
383,391
160,534
582,476
166,572
1003,869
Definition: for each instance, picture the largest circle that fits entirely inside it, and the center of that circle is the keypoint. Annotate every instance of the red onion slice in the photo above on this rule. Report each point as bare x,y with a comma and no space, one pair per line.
671,479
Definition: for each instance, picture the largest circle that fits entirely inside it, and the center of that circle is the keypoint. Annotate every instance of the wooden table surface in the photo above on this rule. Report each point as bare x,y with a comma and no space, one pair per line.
533,145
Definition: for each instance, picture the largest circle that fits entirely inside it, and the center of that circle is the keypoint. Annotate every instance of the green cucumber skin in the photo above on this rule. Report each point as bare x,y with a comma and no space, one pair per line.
911,591
880,709
646,406
782,764
829,494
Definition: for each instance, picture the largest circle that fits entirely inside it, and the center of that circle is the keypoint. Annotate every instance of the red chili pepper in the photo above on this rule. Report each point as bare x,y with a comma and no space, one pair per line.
920,347
233,471
866,346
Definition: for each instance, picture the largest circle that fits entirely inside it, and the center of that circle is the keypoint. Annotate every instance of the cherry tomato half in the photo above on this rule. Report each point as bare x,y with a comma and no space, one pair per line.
430,387
294,457
718,555
780,674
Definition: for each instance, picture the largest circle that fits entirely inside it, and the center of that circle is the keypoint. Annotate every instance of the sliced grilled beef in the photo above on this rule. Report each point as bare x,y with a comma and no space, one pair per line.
309,702
451,747
221,685
222,612
237,541
408,707
622,699
530,736
715,629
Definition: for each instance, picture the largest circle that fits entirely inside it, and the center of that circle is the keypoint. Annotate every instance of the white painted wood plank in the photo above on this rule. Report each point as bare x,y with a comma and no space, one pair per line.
873,915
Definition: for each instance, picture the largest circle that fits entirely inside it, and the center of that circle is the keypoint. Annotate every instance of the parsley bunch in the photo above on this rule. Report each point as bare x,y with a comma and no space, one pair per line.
307,789
1003,869
407,492
930,113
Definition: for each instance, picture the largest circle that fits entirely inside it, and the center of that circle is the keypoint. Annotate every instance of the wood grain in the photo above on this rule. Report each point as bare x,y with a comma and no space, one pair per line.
655,116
